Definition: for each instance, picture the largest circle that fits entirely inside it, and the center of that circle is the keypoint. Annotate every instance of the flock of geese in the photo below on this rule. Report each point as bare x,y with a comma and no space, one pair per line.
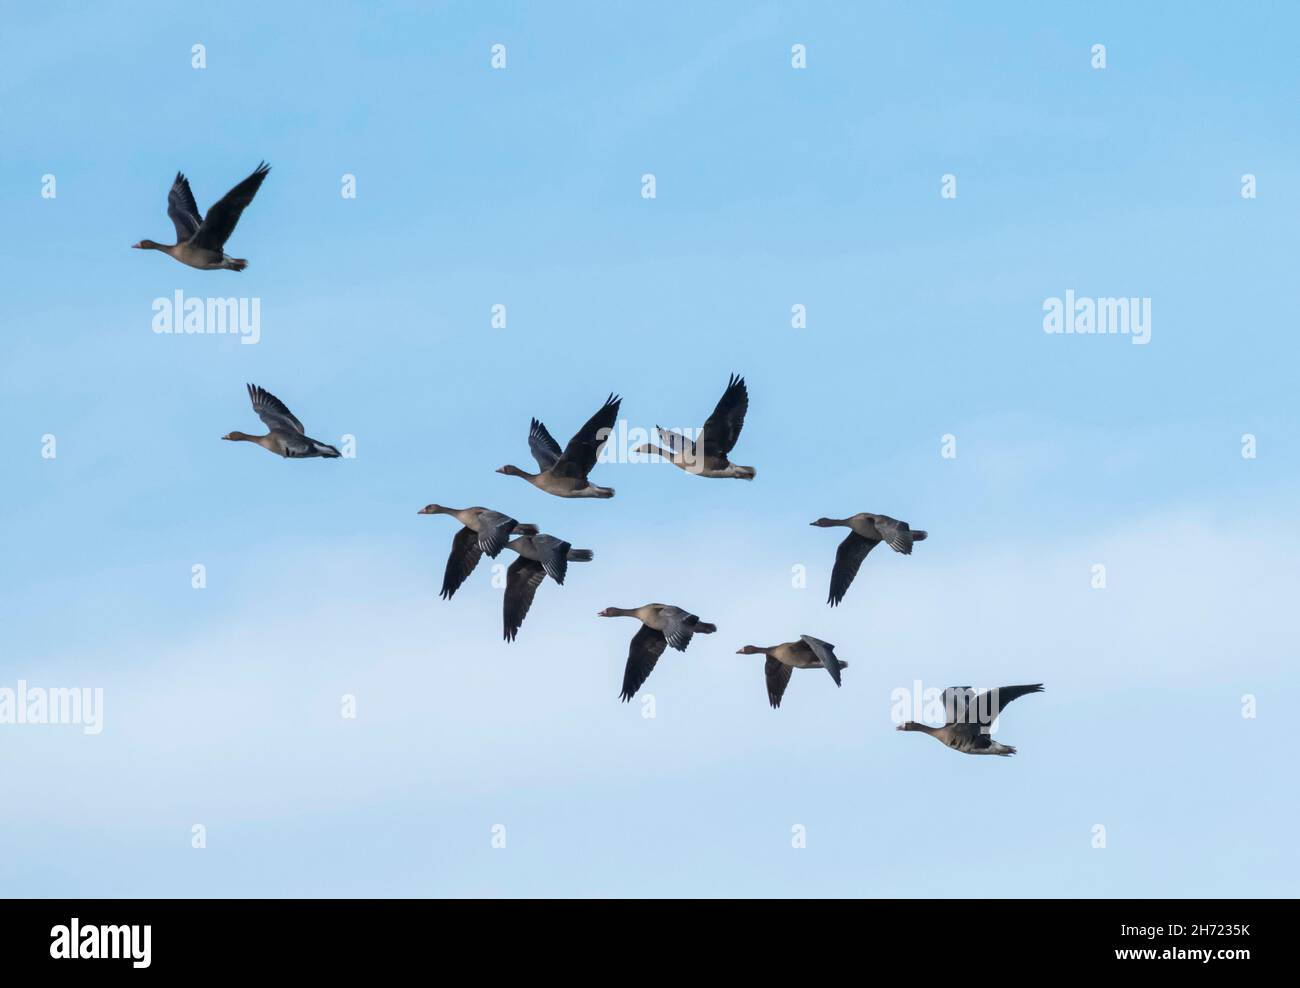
200,243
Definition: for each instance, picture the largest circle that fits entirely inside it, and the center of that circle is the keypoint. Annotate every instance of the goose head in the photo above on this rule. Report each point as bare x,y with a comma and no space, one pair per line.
431,509
148,245
823,523
513,471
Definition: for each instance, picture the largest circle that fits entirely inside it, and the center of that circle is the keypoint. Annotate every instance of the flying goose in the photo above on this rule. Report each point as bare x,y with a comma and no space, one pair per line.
484,531
868,531
807,653
970,717
201,242
565,474
540,556
286,437
661,625
707,457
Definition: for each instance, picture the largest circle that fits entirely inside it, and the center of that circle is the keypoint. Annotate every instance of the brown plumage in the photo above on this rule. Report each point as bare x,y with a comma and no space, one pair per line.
286,437
707,455
484,531
661,625
970,717
201,241
868,531
807,653
564,474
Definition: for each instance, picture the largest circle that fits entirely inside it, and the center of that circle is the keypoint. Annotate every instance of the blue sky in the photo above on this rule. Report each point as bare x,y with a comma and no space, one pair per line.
775,187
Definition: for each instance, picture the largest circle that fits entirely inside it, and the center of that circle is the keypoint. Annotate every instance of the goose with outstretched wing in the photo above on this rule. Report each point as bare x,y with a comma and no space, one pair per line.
969,718
483,532
564,472
707,455
540,556
807,653
867,532
286,437
662,625
201,240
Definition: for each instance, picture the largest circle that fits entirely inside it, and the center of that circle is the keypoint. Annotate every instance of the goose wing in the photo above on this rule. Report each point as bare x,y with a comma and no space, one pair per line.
848,557
543,445
296,446
956,701
778,678
494,530
963,706
522,580
722,429
553,554
680,626
580,455
465,554
993,702
216,229
647,645
675,441
272,411
183,210
825,653
896,534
